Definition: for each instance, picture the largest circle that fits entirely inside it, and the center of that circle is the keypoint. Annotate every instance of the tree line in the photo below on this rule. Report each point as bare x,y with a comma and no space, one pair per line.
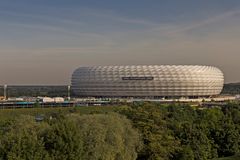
69,137
142,131
181,132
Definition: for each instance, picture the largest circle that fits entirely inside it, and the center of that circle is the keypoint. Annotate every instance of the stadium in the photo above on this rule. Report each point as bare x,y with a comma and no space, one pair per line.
154,81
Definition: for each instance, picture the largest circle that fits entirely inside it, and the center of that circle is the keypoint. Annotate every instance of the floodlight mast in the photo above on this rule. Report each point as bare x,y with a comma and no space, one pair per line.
5,92
69,93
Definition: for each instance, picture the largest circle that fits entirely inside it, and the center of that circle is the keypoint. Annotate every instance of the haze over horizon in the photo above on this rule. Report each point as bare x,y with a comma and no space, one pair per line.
43,42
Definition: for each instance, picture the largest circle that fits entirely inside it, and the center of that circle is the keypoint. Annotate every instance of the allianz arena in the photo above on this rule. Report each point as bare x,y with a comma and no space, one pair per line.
147,81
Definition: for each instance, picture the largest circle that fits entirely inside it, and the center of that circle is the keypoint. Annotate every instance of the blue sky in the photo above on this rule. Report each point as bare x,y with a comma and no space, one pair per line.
43,41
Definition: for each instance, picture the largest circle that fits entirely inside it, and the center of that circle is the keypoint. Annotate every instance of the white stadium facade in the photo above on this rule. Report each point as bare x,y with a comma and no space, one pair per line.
155,81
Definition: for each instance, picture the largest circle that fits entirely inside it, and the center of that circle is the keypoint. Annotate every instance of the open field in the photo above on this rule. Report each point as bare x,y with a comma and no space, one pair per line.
12,113
237,157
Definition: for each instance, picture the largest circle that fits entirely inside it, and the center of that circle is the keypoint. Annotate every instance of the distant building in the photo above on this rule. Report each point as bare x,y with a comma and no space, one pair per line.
237,96
156,81
50,100
45,99
58,99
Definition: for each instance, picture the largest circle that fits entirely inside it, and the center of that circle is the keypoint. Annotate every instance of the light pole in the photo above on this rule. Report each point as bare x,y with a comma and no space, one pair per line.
5,92
69,92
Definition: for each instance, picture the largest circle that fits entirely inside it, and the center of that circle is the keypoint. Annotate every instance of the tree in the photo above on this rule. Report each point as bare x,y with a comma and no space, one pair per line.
63,140
158,141
186,153
107,136
23,140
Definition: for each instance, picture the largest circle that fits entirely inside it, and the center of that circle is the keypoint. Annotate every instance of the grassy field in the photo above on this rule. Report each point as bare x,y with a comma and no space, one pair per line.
236,157
6,114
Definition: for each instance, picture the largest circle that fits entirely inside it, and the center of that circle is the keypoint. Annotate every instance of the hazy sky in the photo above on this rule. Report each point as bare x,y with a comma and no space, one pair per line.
43,41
